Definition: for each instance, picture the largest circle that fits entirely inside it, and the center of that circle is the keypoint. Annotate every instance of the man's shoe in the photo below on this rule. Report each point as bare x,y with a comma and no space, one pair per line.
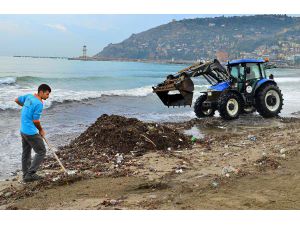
32,177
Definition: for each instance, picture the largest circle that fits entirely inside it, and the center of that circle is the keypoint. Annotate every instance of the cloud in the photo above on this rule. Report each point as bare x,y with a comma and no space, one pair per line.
59,27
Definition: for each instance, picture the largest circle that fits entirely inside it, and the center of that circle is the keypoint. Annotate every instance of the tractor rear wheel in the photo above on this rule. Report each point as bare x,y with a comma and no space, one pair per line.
269,101
200,111
230,106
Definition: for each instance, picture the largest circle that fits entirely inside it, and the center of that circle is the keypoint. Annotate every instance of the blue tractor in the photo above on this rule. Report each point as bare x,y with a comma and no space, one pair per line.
240,87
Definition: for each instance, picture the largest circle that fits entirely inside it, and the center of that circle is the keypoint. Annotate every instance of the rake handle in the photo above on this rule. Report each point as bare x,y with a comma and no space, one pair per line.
56,157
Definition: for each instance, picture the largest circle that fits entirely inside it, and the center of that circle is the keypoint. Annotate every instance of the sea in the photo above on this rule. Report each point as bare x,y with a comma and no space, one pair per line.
84,90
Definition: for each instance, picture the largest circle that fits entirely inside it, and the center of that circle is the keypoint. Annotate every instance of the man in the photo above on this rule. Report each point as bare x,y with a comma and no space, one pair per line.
32,132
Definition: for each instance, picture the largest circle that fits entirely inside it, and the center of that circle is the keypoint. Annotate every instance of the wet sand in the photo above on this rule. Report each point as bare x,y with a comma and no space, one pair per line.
250,163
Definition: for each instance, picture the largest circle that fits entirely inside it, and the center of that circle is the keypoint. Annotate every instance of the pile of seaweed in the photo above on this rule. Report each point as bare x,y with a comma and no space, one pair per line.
111,135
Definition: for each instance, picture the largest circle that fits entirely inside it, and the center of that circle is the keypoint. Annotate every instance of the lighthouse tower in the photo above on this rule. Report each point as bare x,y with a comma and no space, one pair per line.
84,53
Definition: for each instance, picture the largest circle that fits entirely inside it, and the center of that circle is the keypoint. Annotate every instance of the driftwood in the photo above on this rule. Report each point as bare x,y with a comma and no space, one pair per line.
148,139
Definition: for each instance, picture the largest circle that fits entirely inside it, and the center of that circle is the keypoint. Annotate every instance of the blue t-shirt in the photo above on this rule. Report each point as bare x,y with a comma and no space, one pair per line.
32,110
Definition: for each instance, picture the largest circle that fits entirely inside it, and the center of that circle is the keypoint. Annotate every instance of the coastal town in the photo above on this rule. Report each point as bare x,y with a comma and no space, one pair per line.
284,54
187,41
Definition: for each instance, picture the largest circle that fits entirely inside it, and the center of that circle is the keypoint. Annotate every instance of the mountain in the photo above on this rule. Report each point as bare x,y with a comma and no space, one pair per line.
192,39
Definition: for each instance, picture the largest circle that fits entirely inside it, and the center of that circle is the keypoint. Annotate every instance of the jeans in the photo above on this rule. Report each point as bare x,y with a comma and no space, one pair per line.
36,143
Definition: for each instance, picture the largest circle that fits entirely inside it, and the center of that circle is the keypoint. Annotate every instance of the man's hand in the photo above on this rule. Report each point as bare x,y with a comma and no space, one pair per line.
17,101
42,133
39,127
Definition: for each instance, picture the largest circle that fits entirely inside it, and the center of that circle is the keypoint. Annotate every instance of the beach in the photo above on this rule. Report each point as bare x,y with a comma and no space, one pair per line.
248,163
235,165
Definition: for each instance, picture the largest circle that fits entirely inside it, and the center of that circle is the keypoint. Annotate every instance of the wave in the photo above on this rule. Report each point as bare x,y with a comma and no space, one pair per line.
85,95
61,96
8,80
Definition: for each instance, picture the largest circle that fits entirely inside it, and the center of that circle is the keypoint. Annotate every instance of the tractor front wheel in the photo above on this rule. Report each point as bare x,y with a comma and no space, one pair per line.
200,111
269,101
230,106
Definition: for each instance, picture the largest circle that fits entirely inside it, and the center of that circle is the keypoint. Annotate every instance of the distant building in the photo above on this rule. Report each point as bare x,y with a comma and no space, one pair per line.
222,56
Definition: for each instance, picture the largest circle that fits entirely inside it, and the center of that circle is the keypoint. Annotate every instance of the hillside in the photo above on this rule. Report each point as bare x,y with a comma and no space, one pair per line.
192,39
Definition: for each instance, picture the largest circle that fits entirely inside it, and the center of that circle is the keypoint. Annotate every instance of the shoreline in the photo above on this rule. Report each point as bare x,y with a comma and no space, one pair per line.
228,162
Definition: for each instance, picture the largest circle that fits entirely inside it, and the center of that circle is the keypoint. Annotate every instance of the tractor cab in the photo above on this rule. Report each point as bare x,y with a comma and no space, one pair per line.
246,73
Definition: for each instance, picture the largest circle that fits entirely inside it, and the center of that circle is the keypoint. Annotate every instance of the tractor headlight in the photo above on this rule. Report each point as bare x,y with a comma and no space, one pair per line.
249,89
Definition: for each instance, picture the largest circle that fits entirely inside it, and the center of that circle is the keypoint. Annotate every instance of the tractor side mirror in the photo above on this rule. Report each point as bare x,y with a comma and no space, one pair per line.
247,70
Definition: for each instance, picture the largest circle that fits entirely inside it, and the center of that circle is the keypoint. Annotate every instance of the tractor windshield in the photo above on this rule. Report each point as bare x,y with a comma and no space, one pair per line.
253,71
250,71
234,71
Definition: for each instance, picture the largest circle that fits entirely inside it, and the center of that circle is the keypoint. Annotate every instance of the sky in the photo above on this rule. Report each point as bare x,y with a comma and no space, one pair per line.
64,35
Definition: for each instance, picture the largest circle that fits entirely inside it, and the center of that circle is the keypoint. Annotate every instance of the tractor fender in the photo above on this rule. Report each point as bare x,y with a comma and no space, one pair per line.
262,83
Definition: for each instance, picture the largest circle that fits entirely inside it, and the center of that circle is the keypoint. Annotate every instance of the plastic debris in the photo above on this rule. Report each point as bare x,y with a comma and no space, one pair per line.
111,202
229,169
193,139
282,151
179,171
71,172
8,194
119,158
55,178
252,138
215,184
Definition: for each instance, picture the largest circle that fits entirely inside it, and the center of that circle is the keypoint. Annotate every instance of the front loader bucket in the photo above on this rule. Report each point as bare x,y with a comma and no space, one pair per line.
181,99
183,92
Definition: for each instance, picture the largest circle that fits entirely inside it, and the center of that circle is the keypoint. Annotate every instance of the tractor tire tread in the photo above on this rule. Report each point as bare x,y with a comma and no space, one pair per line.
198,105
260,101
223,102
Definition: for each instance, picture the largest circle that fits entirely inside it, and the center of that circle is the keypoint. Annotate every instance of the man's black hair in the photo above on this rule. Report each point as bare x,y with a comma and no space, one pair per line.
44,88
